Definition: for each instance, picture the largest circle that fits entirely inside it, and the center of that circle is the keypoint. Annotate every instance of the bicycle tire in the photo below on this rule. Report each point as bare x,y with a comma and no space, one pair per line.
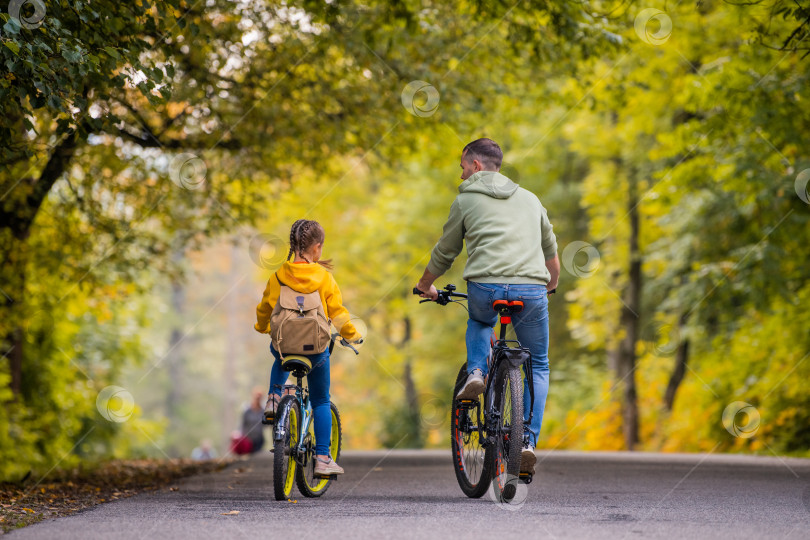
509,440
308,484
288,415
473,481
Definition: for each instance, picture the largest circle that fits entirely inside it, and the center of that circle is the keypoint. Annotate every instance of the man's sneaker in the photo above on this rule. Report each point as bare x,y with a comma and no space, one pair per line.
473,387
270,408
327,467
527,459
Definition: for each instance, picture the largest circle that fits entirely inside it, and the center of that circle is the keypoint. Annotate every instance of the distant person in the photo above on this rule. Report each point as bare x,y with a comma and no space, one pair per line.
252,427
240,445
204,451
512,255
305,274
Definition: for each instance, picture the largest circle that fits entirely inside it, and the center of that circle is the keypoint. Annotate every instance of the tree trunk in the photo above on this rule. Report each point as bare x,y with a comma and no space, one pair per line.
232,419
679,369
176,359
12,302
413,418
17,215
625,355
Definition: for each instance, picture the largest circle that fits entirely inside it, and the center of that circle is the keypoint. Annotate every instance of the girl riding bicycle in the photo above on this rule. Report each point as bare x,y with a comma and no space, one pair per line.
306,274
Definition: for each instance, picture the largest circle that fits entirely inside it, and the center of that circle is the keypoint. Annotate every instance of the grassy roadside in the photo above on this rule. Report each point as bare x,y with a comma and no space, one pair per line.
66,492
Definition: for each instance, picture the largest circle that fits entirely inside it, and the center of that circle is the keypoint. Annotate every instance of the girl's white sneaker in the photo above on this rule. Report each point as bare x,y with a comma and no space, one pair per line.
327,467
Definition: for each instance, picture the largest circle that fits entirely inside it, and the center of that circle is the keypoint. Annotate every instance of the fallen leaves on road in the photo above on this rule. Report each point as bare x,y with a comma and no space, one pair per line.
69,491
231,513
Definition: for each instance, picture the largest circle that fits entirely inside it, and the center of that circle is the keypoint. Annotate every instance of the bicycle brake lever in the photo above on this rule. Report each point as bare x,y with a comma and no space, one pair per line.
345,343
425,300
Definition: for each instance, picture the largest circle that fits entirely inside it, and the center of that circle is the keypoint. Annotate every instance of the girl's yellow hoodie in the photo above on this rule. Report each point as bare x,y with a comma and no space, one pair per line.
306,278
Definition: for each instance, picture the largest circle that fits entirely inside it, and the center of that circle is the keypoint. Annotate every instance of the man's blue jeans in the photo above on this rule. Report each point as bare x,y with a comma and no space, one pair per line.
318,381
531,327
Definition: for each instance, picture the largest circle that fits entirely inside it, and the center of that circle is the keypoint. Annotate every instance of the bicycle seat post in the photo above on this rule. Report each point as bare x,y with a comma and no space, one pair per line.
505,309
505,320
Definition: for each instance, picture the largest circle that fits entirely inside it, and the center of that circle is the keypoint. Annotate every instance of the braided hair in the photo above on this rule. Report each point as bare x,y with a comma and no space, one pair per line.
304,234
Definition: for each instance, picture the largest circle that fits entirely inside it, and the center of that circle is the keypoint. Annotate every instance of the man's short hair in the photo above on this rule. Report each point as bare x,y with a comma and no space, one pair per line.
486,151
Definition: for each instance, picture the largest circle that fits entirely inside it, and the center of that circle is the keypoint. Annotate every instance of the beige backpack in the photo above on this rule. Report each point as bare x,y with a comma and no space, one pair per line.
298,324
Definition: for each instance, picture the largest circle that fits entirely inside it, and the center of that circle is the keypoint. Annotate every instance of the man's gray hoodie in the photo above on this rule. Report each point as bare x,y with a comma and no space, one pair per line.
508,234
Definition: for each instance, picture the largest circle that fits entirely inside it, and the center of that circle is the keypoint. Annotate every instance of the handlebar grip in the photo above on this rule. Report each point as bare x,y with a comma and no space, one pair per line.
416,291
552,291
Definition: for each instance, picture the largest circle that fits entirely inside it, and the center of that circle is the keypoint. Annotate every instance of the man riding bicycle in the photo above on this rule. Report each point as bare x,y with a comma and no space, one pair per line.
512,255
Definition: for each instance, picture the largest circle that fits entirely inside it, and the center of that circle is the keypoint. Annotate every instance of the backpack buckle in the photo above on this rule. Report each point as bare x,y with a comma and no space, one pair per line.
300,300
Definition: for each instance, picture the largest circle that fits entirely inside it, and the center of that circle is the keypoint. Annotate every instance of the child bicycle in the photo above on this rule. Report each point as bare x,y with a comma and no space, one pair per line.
294,434
487,440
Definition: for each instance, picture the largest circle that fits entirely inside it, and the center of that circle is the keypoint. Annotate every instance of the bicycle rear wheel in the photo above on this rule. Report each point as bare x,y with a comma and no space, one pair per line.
309,484
508,395
470,459
287,419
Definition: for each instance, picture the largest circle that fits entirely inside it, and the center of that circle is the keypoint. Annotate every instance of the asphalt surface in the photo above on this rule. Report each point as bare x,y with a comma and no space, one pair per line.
414,494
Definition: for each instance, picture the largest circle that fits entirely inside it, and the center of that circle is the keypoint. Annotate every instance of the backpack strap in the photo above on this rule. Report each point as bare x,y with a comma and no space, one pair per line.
299,298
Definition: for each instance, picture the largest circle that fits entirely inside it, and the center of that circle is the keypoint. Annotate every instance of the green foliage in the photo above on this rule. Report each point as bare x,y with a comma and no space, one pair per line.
58,59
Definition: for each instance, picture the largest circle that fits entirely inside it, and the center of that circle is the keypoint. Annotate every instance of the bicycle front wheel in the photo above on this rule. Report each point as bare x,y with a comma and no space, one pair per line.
285,441
309,484
469,455
508,396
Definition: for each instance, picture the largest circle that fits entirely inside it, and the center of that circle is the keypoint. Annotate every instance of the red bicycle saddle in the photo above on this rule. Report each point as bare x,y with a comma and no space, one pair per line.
503,307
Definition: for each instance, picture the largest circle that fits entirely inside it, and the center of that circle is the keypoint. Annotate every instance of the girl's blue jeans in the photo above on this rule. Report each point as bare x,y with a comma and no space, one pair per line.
318,382
531,327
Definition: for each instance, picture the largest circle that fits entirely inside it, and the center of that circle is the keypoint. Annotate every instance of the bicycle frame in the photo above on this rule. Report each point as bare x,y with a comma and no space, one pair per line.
500,352
305,406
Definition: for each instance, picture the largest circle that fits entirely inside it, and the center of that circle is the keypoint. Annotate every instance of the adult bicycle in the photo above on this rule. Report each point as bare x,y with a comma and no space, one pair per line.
294,433
487,435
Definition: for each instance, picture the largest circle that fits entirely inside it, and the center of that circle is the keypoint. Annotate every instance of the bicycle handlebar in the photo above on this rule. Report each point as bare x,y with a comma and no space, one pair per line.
343,342
446,295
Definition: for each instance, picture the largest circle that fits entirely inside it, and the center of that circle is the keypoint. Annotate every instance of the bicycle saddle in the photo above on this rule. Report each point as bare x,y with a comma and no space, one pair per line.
296,363
504,307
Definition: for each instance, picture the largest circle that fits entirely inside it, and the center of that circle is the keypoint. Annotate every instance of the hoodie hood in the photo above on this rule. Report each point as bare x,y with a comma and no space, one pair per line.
304,278
489,183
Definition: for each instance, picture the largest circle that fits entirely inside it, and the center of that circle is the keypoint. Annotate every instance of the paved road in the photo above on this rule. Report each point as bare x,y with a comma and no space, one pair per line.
413,494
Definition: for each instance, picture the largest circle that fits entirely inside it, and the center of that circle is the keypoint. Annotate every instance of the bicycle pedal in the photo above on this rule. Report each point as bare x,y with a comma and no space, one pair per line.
327,476
525,477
